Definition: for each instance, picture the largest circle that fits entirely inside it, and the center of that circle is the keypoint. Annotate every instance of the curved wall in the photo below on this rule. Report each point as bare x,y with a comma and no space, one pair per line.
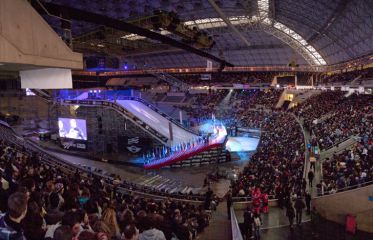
356,202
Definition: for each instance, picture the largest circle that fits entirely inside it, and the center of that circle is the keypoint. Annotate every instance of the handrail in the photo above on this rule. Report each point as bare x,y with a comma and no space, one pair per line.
165,115
182,155
164,76
349,188
120,110
54,160
107,178
69,167
151,106
203,70
339,142
43,95
306,152
104,95
236,232
248,198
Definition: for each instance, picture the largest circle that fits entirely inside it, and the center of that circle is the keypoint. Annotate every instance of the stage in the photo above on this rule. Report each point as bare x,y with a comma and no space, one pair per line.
242,144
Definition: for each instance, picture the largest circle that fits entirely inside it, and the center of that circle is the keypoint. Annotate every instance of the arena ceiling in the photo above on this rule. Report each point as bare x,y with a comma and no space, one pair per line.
246,32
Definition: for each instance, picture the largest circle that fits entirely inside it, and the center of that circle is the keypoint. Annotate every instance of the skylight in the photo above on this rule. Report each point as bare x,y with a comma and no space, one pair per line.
263,6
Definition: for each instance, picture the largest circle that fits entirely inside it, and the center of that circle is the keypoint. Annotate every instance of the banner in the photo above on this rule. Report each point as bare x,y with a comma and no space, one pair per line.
73,144
134,145
47,78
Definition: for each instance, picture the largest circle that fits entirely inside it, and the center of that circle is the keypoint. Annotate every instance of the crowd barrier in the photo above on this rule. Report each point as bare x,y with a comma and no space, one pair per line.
69,168
236,232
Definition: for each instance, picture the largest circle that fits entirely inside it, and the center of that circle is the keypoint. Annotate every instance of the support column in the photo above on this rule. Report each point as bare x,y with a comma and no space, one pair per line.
296,80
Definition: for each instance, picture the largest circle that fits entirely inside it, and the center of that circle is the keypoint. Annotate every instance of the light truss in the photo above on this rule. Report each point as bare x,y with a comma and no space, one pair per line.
204,23
270,26
228,22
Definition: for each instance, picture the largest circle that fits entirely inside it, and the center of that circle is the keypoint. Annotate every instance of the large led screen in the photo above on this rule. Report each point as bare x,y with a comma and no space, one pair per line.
72,128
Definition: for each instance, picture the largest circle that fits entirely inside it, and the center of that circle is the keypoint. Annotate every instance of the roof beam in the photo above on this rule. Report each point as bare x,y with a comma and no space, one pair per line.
81,15
226,20
336,14
272,9
287,35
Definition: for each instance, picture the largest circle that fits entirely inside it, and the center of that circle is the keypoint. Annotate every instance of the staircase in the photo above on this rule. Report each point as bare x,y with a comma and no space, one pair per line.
118,108
163,184
43,94
339,147
170,79
203,154
356,81
286,104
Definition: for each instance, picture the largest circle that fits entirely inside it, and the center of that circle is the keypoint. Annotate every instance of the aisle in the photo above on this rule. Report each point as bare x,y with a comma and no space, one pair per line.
276,224
220,226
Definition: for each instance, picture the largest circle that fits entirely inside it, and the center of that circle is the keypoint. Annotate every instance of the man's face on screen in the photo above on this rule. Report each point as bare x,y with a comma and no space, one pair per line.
73,123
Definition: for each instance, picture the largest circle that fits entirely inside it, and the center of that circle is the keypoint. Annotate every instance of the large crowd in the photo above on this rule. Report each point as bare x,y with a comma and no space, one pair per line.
332,118
277,166
40,201
251,78
345,77
232,107
353,167
350,169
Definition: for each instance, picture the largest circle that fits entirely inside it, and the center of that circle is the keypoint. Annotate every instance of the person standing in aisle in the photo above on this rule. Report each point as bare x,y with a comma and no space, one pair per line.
290,214
208,197
311,175
308,202
299,206
257,224
248,219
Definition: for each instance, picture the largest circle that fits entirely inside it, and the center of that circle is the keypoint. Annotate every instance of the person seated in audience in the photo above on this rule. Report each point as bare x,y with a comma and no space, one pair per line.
10,222
131,232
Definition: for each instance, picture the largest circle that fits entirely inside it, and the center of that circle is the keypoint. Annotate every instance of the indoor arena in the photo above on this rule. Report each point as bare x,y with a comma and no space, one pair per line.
186,119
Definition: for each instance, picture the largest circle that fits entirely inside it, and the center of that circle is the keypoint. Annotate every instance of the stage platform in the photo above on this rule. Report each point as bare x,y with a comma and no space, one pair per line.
237,145
241,144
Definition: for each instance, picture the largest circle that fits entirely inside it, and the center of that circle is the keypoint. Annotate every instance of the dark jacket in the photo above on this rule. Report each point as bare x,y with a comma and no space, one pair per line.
299,204
10,230
248,218
290,212
311,175
53,216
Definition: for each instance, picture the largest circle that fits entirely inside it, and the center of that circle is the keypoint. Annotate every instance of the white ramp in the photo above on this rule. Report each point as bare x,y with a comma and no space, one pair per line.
157,122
